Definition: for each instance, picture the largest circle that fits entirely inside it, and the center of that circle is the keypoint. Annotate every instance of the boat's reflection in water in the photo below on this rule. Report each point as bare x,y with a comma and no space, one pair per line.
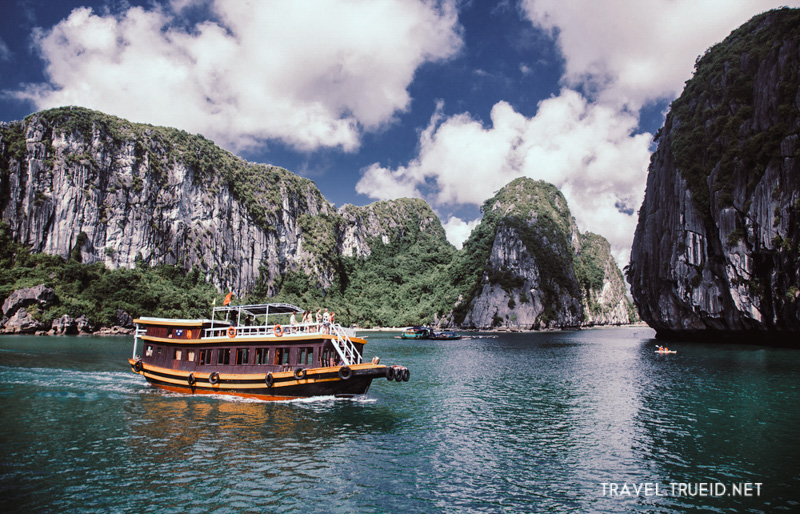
183,436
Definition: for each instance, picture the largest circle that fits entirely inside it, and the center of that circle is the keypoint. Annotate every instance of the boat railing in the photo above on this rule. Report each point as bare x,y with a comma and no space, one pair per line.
265,330
137,334
344,346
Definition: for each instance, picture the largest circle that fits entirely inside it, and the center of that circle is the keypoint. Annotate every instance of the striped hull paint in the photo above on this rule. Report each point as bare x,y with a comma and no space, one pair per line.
285,385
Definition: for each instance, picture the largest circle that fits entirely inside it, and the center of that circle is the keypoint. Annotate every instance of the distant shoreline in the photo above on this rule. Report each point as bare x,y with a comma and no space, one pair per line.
507,330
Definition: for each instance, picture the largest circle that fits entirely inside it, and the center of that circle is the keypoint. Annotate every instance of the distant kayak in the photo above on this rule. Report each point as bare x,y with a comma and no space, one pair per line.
661,349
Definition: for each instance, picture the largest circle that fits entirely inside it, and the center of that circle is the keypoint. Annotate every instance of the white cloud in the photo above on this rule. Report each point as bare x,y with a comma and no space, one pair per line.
458,230
631,52
586,149
623,55
312,74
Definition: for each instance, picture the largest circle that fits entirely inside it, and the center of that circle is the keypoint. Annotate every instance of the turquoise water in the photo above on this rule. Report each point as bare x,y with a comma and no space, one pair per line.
513,423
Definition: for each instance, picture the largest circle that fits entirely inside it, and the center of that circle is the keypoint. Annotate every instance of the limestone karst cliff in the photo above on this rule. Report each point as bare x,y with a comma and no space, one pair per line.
92,188
527,266
716,250
167,197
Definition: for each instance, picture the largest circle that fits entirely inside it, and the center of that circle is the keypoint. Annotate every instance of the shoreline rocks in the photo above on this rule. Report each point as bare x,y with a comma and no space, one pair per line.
18,316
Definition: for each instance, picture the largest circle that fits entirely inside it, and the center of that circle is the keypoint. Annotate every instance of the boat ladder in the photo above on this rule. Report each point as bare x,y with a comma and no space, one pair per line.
344,346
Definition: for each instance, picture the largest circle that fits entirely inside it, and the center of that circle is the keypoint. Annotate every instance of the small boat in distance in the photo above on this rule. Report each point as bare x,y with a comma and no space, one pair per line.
419,332
447,335
416,333
249,353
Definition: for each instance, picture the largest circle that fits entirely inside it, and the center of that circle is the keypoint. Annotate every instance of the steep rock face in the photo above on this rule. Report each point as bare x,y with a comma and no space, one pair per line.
384,221
526,250
605,300
716,248
74,180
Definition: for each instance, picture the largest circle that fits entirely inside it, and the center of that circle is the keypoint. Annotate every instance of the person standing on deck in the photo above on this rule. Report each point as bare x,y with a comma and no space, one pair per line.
319,319
293,323
326,321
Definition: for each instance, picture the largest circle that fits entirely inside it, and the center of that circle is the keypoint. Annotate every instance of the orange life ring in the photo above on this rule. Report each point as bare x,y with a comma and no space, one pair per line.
278,331
231,332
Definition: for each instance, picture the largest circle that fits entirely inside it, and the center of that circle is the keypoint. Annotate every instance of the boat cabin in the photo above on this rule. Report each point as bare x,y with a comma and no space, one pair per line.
245,339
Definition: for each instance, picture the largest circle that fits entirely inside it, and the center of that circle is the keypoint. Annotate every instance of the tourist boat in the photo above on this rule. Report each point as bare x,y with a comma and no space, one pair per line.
445,336
244,350
416,333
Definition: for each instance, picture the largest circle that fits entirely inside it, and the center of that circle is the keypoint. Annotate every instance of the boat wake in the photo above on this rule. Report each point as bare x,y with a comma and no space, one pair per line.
241,399
68,381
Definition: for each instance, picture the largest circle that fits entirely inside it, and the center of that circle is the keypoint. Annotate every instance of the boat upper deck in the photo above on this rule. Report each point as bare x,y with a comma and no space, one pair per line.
258,322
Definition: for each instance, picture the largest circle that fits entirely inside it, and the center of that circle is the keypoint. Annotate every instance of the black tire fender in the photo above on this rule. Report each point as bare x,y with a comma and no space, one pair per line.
389,373
213,378
406,374
191,379
269,380
300,373
345,373
138,366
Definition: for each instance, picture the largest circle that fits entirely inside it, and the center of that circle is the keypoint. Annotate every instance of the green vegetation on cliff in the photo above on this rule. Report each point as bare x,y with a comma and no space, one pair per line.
388,263
590,264
259,187
715,129
97,292
537,213
400,283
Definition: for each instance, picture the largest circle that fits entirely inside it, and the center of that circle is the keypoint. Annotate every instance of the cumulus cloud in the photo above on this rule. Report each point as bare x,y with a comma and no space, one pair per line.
586,149
628,53
312,74
458,230
619,56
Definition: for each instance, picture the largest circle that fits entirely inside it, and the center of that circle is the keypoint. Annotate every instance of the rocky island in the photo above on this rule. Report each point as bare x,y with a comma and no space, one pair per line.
716,253
103,220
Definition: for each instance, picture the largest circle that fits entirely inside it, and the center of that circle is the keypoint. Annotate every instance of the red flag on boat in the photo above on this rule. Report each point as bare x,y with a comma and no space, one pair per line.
227,299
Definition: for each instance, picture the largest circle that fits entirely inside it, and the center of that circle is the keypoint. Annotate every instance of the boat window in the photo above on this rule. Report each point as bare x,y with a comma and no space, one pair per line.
242,356
261,355
205,357
149,352
169,332
190,355
327,357
281,356
178,355
306,355
224,356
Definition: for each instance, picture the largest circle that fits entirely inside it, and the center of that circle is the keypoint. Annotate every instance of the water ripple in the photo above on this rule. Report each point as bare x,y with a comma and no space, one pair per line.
522,422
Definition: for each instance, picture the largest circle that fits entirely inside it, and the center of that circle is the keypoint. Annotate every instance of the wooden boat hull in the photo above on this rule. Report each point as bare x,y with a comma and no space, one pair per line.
330,381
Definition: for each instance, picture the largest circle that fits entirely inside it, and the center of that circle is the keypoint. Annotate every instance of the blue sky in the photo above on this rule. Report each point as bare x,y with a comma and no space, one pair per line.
380,99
